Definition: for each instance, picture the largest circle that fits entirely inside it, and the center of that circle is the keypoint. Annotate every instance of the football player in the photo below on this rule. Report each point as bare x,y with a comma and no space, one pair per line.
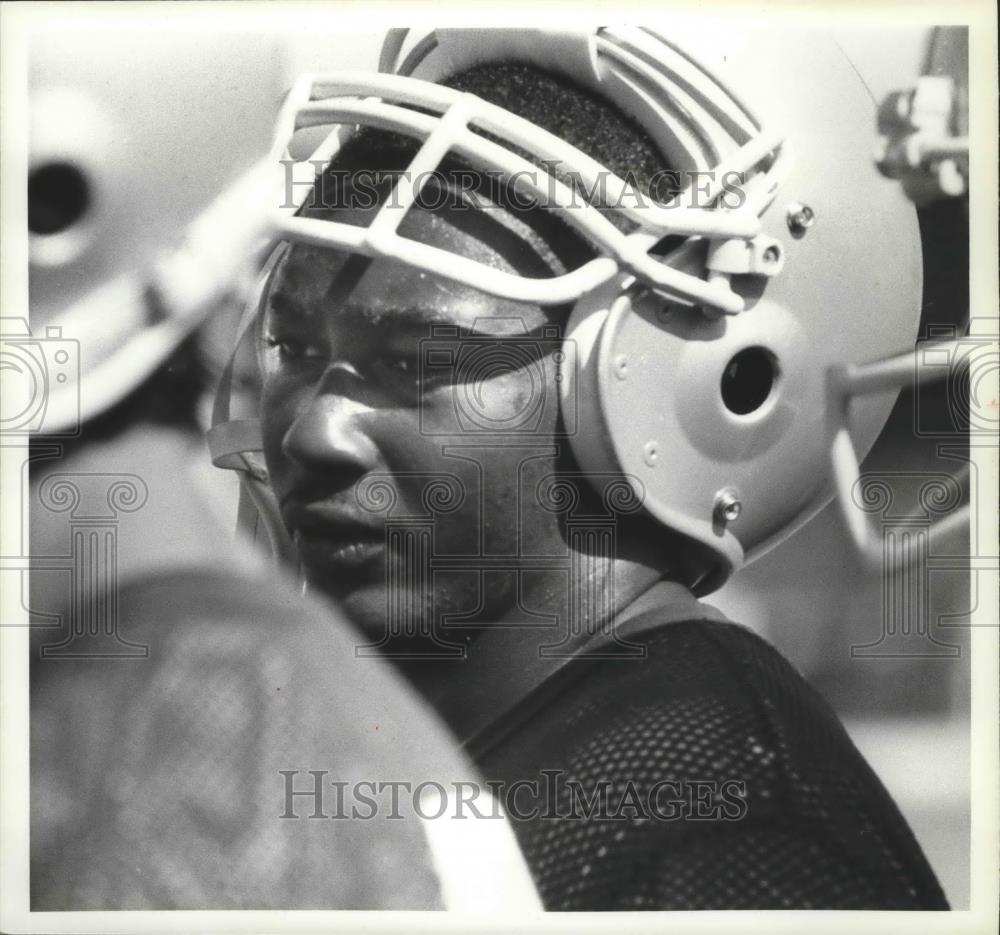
552,345
191,712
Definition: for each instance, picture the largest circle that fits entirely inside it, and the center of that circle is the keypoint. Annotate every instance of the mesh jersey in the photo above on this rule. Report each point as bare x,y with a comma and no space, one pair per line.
711,710
156,782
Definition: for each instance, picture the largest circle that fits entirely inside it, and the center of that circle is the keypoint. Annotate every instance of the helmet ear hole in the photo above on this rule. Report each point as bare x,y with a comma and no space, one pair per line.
59,196
748,380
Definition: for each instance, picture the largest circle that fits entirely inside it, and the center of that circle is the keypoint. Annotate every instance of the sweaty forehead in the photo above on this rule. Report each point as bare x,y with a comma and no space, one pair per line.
314,281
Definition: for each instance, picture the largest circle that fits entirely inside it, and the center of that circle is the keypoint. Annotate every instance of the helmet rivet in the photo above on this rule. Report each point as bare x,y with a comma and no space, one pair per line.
728,506
666,312
650,453
621,366
800,217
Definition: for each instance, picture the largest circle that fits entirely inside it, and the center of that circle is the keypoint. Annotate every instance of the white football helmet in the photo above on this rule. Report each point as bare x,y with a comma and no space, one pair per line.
730,377
130,244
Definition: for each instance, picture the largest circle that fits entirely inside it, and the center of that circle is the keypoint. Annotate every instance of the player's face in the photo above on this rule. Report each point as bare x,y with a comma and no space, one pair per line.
408,421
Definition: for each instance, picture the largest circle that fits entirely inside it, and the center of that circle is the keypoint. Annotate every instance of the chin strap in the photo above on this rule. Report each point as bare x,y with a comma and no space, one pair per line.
236,444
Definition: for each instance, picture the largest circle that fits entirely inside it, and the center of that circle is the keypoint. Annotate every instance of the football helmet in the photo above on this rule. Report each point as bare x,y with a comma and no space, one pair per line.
736,380
130,244
924,130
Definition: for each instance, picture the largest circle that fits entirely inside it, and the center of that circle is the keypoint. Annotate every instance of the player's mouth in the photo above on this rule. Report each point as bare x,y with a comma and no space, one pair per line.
327,536
335,550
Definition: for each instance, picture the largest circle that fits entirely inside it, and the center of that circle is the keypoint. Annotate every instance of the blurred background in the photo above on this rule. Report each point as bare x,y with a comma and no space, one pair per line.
133,131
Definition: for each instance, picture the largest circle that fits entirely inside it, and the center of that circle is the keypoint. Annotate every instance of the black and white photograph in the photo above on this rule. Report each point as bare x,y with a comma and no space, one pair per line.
455,476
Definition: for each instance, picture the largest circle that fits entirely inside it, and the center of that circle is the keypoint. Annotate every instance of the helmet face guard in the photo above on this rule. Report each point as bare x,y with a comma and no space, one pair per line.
453,130
705,374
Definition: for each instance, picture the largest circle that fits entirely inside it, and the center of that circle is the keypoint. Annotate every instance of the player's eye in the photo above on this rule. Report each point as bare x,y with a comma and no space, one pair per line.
293,349
401,369
402,372
405,366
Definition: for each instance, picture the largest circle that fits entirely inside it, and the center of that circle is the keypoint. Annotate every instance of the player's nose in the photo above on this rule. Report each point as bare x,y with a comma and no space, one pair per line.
328,432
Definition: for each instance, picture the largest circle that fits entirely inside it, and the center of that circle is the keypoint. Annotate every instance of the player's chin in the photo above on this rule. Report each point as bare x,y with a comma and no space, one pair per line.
383,596
361,596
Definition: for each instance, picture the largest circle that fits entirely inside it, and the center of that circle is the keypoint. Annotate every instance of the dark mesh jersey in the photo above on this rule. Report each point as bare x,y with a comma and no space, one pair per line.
763,801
